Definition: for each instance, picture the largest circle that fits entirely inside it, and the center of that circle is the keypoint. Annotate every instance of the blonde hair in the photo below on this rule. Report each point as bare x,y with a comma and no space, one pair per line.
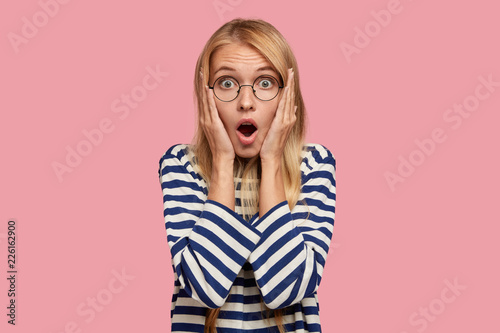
269,42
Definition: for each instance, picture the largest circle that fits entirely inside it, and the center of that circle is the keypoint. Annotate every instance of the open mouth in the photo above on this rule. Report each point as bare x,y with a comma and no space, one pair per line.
247,129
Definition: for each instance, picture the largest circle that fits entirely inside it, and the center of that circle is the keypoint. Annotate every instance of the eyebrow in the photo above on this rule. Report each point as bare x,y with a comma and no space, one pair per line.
226,68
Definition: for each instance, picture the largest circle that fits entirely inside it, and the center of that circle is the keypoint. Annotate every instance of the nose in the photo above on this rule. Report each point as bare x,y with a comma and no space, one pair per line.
246,98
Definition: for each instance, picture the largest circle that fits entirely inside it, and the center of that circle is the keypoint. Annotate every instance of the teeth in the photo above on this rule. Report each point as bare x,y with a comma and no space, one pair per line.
247,123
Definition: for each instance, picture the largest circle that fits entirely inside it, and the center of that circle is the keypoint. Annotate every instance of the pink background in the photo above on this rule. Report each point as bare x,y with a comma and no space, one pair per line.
395,248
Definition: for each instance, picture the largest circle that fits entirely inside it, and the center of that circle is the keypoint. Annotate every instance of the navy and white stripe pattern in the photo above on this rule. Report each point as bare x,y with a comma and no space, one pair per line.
221,260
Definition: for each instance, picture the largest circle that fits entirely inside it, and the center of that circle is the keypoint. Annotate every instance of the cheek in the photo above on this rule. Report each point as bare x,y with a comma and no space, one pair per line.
268,119
220,112
224,115
270,114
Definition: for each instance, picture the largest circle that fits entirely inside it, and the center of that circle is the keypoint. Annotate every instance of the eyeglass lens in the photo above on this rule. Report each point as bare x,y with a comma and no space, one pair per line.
265,87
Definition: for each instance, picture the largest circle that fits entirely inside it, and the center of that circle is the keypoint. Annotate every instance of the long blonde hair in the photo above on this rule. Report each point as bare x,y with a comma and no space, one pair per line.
267,40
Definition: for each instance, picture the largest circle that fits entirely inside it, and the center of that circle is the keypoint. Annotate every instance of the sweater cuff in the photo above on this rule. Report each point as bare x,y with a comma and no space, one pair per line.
243,235
271,217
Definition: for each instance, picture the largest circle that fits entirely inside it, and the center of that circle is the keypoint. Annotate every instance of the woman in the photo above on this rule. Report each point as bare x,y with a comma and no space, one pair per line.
249,208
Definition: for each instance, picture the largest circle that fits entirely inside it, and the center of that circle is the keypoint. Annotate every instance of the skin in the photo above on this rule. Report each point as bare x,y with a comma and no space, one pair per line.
274,120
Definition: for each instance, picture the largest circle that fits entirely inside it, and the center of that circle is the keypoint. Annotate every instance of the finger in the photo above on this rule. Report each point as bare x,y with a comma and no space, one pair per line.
286,115
293,106
281,104
281,113
211,105
282,110
203,115
291,109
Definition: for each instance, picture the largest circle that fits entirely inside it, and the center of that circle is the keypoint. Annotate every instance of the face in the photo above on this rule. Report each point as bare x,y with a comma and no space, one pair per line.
245,64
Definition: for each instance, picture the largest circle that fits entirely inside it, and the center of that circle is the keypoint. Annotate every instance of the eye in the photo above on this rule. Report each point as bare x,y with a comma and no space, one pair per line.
227,82
266,82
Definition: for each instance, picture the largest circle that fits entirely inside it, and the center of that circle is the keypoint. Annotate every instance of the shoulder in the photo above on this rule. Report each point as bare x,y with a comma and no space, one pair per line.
177,151
314,155
175,155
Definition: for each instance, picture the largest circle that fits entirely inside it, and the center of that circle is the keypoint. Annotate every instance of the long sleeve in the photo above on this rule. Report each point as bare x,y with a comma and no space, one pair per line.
209,242
289,259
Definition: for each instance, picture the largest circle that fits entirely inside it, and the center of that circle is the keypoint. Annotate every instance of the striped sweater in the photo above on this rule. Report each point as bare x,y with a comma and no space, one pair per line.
220,259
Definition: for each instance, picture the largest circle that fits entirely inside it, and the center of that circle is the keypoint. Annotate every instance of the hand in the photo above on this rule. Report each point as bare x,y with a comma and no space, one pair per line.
218,139
274,144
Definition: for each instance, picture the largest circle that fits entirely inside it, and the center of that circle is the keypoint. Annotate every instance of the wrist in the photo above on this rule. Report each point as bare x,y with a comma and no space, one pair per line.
221,161
221,188
222,168
271,164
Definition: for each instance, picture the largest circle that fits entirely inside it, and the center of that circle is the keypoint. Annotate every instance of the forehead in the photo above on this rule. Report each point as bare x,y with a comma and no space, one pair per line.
239,58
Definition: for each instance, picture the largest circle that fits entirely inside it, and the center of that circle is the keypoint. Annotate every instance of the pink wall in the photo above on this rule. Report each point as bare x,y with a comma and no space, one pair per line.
406,94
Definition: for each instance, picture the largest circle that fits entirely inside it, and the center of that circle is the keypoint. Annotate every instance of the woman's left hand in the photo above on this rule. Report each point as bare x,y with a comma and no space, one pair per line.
274,144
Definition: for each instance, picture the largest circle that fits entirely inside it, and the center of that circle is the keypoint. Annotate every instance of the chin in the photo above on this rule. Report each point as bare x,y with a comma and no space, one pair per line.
247,156
248,152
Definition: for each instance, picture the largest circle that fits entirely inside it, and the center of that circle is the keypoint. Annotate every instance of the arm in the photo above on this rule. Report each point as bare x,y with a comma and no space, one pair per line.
272,189
289,259
208,241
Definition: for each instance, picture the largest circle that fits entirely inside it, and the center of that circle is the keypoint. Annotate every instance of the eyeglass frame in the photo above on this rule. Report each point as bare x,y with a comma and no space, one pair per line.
249,85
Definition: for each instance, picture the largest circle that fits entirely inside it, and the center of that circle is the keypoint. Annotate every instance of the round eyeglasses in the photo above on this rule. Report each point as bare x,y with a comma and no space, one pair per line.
227,88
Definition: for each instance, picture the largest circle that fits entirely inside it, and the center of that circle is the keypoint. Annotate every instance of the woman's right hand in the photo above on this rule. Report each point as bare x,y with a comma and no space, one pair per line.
218,139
